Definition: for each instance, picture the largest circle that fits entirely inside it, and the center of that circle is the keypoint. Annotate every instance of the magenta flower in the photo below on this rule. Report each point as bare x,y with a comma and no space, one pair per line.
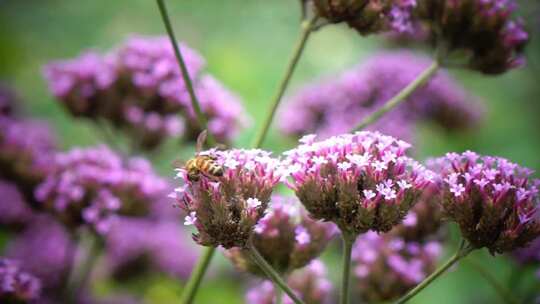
17,286
286,237
158,245
14,210
92,185
338,104
138,88
26,148
310,283
44,249
494,201
367,16
360,181
386,267
484,29
225,209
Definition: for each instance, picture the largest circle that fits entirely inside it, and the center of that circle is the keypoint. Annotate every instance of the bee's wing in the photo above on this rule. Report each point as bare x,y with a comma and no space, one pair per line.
201,139
178,163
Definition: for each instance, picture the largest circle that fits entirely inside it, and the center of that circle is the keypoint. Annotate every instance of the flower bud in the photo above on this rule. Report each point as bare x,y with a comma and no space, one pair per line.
367,16
386,267
360,181
225,208
484,29
494,201
310,283
286,237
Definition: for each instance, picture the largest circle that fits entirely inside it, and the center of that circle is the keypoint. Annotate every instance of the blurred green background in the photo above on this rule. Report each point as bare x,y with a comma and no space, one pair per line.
246,44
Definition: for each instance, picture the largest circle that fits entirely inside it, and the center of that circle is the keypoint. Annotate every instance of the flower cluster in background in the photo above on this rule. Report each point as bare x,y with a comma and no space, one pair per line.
15,285
138,88
494,201
338,104
92,185
387,266
286,237
310,283
362,181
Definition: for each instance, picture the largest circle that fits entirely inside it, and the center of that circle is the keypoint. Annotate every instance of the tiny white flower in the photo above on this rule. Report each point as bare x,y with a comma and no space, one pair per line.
457,189
190,219
403,184
379,166
231,163
250,165
320,160
344,166
308,139
253,202
302,235
369,194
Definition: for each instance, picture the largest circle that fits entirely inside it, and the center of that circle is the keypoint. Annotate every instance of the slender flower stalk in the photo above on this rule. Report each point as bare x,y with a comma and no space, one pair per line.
201,118
82,268
505,294
400,97
348,242
463,251
202,265
272,274
196,276
307,28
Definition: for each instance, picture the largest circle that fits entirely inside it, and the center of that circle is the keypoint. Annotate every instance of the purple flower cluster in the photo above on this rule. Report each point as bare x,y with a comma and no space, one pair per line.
134,245
286,237
360,181
387,266
310,283
17,286
225,209
93,185
45,249
138,88
14,211
338,104
484,29
494,201
26,147
368,16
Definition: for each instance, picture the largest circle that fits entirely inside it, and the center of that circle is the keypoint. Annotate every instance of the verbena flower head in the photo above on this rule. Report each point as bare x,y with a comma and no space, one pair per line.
368,16
484,29
286,237
338,104
494,201
386,267
45,249
360,181
310,283
225,210
17,286
14,211
92,185
139,89
137,245
26,147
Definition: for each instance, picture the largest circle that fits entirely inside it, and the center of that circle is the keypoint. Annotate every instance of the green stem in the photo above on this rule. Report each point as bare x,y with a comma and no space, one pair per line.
422,79
462,252
189,292
279,294
501,290
271,273
307,29
348,242
201,118
81,268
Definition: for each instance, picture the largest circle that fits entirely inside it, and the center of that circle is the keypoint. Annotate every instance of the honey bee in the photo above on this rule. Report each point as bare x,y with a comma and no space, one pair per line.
202,164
